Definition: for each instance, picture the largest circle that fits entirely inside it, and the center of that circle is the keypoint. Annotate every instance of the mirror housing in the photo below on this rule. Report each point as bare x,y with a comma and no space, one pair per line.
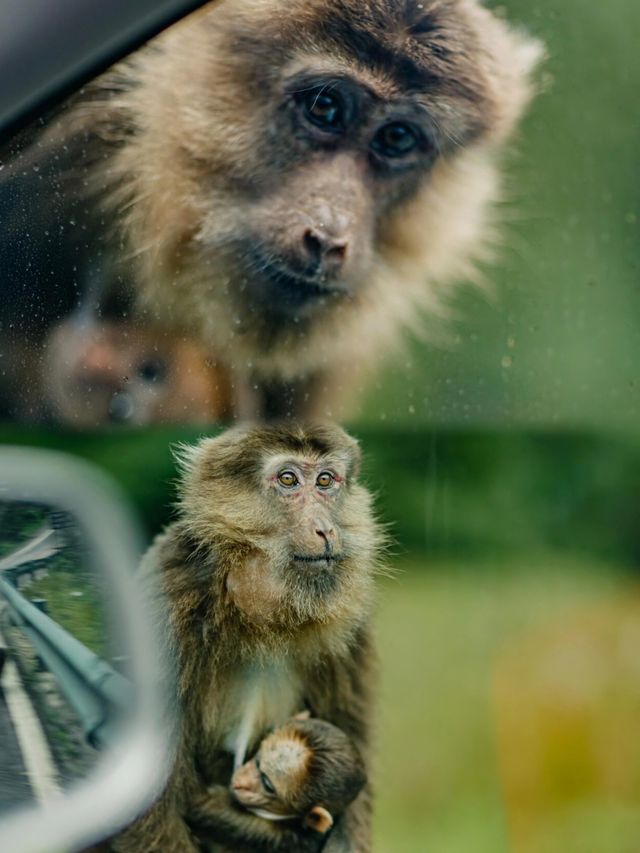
136,756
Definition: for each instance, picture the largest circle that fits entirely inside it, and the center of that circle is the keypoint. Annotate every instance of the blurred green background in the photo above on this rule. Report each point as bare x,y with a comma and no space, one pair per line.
558,343
508,466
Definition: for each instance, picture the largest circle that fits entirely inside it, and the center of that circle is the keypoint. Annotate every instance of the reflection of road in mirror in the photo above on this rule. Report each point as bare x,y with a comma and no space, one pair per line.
27,772
61,696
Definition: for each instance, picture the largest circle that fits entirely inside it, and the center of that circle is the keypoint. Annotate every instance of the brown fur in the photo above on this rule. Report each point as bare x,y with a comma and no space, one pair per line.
205,165
316,773
313,650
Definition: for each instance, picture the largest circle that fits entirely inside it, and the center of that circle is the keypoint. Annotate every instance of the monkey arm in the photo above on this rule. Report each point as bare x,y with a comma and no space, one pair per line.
341,692
354,833
159,831
217,816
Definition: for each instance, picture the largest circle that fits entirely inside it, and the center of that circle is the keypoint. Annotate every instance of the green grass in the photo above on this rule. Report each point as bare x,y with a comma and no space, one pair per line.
81,615
441,634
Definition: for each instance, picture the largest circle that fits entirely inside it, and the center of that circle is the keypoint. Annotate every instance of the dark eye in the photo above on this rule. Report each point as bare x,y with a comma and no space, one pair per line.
287,479
395,140
266,784
152,370
324,109
325,480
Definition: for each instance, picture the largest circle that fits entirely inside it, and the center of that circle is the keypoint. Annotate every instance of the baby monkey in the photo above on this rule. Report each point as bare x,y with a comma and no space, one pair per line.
288,795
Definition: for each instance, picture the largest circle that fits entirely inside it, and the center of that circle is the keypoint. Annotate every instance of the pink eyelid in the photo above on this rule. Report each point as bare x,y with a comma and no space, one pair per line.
274,478
336,477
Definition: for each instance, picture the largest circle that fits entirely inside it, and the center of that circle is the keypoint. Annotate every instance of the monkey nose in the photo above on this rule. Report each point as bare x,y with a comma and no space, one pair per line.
324,249
327,534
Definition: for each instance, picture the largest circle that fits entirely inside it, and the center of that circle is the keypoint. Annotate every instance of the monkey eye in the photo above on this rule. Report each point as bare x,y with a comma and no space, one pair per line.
152,370
325,480
287,479
324,109
395,139
267,783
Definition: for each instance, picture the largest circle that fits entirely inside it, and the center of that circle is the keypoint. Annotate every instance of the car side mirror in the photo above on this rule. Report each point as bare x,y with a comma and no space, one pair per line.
84,722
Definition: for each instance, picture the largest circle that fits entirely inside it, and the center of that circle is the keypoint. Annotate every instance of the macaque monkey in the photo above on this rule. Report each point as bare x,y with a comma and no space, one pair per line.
289,795
268,575
88,373
114,372
295,182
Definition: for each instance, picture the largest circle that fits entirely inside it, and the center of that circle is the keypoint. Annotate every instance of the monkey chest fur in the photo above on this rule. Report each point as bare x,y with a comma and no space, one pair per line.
257,697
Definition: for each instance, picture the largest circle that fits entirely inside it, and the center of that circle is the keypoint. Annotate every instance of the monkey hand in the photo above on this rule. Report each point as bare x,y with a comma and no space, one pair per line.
208,806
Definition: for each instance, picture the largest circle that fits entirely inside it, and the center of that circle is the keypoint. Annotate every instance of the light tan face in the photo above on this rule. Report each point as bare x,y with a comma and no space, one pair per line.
344,128
301,537
309,492
273,779
303,495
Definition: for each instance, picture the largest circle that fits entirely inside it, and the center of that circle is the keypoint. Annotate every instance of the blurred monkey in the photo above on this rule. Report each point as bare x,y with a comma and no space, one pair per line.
294,183
97,373
88,373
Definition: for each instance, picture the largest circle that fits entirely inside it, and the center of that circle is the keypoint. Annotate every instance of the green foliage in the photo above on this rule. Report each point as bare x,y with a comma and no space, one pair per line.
18,522
493,494
72,601
556,343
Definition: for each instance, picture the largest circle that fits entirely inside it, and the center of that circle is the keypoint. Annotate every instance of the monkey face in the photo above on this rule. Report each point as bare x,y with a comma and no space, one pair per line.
316,159
306,768
287,498
274,778
309,492
101,372
347,126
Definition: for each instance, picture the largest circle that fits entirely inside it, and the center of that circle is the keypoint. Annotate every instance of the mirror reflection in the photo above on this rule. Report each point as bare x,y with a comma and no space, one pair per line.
63,693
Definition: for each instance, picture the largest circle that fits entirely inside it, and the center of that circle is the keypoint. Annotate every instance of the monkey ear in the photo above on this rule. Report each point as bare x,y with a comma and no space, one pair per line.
185,456
319,819
355,460
302,715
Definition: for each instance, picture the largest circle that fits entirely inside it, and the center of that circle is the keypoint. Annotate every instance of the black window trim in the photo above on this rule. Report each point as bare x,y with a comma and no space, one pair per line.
50,48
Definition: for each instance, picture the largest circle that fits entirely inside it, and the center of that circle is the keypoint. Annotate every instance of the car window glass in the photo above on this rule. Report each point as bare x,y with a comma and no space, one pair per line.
498,426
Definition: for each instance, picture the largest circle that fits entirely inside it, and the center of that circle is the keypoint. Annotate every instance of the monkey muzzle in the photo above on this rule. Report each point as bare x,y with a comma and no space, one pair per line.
290,289
327,559
318,542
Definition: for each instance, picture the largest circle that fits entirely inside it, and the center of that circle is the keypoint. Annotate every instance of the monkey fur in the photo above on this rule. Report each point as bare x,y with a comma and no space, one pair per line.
297,182
268,574
289,794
